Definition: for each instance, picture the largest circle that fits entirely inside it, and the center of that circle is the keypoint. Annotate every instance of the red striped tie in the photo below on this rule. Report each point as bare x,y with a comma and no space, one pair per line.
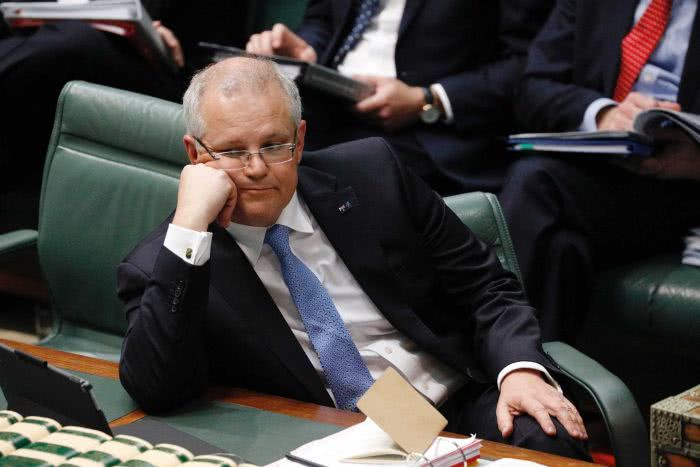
639,43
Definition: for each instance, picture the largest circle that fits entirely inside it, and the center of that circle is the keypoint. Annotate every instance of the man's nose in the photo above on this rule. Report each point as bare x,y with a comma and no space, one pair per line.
257,167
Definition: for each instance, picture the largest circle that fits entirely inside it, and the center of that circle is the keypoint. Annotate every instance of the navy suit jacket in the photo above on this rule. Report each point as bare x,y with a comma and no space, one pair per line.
426,272
576,59
476,49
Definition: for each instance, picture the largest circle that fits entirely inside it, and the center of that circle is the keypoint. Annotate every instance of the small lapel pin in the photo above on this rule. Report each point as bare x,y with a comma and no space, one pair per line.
345,207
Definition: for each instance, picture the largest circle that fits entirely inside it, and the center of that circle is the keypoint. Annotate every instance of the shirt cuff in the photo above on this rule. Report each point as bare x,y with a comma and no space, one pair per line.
589,117
440,91
529,366
191,246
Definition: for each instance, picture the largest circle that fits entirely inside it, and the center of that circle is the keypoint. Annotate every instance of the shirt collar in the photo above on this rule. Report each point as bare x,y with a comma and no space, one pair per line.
251,239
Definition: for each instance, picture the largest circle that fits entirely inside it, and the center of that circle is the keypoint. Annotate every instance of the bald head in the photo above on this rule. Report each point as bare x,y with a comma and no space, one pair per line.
235,77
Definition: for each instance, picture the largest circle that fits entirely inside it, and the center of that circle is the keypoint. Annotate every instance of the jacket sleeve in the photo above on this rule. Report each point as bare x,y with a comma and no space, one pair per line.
478,97
497,319
548,98
317,27
163,362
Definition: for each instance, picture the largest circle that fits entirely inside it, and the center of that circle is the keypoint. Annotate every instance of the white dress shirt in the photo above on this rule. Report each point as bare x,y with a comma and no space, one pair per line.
661,75
379,343
374,53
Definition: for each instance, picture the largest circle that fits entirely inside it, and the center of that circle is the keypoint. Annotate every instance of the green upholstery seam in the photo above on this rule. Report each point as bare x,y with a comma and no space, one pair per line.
119,163
53,144
508,247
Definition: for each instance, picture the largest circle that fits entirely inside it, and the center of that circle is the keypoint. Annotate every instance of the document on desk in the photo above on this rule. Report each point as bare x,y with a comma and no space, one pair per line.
365,444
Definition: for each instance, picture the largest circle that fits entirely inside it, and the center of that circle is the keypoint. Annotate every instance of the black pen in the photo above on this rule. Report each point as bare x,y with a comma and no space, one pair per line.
299,460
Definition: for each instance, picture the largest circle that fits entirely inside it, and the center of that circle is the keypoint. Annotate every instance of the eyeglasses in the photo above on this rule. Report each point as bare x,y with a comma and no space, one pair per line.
271,155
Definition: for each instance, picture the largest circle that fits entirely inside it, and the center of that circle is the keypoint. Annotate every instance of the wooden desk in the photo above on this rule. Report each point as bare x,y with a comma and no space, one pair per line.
68,361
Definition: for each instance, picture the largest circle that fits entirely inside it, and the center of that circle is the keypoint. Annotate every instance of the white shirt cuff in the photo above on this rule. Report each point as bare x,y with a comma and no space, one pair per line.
529,366
589,117
191,246
440,91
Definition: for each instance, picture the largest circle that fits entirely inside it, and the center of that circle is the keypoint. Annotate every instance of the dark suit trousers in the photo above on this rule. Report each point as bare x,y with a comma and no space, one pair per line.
473,410
568,220
34,66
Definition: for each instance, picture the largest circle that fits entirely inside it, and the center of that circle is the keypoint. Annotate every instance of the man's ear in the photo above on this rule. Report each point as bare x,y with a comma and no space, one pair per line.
191,148
301,133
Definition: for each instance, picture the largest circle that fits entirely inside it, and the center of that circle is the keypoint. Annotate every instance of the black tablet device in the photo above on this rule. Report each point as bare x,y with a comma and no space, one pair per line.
33,387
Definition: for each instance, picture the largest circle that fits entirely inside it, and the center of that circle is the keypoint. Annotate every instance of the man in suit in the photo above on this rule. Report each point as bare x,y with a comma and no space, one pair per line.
314,279
443,74
595,65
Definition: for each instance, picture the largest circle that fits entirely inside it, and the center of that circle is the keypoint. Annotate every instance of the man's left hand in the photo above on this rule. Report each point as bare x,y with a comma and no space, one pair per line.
526,392
393,105
171,41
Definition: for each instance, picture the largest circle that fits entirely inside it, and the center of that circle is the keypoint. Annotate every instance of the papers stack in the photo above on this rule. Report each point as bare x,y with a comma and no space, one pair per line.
691,255
126,18
642,142
367,444
607,143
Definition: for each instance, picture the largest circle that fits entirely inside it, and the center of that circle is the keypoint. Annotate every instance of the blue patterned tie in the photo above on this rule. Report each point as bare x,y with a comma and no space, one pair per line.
346,372
367,10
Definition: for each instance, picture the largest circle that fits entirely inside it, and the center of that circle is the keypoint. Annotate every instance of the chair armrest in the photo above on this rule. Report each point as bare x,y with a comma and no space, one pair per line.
17,241
623,420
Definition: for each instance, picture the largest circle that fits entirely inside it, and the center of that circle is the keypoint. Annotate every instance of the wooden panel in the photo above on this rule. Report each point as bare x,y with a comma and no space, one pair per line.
691,432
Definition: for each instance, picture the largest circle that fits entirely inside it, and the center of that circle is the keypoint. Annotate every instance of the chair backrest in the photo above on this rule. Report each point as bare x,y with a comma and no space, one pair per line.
110,177
481,212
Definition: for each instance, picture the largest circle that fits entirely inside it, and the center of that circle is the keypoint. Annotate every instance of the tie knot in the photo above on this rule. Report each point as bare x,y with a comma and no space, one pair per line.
277,237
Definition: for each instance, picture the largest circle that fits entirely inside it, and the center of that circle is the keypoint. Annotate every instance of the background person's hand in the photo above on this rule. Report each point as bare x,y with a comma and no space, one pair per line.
393,105
170,40
205,194
678,158
280,40
620,117
526,392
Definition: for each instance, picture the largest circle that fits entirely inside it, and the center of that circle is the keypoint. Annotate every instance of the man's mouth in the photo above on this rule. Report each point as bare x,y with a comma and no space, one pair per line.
255,189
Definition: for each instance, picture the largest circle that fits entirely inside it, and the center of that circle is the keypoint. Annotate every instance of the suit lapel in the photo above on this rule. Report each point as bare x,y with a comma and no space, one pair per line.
256,308
409,13
620,21
342,15
687,93
347,226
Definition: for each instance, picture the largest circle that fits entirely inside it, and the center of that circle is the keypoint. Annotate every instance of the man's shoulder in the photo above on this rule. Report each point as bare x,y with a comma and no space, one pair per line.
351,155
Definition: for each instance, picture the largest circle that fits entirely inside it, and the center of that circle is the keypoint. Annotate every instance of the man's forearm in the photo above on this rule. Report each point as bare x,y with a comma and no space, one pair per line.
163,361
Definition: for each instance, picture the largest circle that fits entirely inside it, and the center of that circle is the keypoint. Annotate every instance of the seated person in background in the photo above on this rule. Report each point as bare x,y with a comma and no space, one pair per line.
443,72
593,67
35,63
308,281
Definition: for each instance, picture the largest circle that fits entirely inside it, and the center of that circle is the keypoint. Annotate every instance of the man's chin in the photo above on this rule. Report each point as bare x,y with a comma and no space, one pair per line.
255,214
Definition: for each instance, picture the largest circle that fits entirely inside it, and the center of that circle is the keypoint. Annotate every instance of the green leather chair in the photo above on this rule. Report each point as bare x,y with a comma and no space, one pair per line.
481,212
111,176
644,324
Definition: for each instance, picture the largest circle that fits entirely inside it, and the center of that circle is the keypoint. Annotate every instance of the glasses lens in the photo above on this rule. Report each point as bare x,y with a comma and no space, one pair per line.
235,161
277,154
